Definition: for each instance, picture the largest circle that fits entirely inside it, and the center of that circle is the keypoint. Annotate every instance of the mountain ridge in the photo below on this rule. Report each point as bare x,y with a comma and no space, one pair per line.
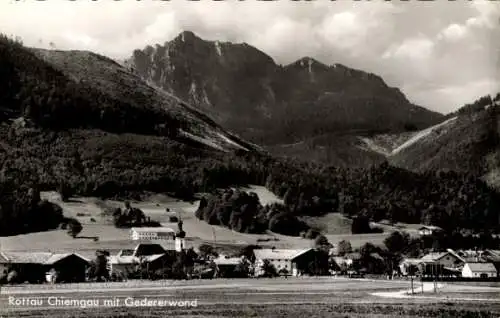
245,90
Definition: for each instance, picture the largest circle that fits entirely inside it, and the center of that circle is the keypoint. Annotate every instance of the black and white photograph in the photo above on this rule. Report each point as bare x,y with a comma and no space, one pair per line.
249,158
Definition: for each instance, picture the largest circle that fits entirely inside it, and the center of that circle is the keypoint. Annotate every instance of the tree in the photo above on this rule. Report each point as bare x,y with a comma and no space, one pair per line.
360,225
99,267
322,243
64,191
268,269
248,253
12,277
344,247
397,242
74,228
242,269
207,250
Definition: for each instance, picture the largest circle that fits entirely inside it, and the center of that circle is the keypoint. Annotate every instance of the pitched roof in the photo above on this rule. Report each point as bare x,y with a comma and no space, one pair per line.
481,267
432,257
130,259
376,256
227,261
153,229
151,258
148,249
126,252
26,257
44,258
54,258
353,255
288,254
114,259
431,227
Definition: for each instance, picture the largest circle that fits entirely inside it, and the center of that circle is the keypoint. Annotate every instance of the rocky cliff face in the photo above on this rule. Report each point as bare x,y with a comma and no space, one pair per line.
247,92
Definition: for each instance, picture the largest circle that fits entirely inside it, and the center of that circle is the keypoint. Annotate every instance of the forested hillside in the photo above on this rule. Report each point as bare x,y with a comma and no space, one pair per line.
80,122
470,143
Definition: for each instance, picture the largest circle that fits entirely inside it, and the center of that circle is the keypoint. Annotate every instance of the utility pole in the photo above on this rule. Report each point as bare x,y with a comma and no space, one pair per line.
411,278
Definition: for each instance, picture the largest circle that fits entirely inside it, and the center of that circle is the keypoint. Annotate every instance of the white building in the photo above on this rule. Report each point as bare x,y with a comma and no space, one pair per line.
152,233
282,259
127,261
479,270
429,230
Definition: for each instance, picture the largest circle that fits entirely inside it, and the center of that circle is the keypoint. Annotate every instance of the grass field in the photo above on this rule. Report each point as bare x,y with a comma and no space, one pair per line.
293,297
89,211
311,310
110,238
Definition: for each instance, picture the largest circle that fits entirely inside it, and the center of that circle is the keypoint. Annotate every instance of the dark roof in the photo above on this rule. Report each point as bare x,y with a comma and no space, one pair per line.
43,258
353,255
148,249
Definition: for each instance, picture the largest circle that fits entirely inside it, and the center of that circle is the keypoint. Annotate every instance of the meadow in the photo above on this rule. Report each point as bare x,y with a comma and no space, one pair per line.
90,212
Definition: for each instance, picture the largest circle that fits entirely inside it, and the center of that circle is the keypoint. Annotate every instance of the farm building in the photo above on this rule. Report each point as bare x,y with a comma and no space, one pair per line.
429,230
479,270
351,259
294,261
152,233
226,266
41,266
125,265
152,256
441,263
409,266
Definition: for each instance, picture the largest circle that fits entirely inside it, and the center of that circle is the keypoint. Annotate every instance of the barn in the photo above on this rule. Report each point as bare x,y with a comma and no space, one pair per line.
293,261
479,270
36,267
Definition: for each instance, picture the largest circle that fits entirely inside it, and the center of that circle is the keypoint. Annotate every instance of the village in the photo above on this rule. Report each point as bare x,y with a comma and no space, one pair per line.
161,253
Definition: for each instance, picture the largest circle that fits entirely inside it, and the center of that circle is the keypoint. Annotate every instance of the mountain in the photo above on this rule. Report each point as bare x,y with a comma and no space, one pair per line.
468,141
80,118
81,123
243,89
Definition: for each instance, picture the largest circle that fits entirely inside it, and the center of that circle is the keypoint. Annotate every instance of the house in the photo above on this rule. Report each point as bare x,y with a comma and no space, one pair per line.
294,261
352,259
226,266
428,230
152,233
69,267
409,266
151,256
36,267
479,270
441,263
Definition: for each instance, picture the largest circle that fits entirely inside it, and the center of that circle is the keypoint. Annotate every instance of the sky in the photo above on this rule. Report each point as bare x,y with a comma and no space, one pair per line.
441,54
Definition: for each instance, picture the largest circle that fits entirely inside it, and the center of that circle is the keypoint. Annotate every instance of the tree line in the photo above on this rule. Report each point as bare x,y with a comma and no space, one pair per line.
243,212
127,160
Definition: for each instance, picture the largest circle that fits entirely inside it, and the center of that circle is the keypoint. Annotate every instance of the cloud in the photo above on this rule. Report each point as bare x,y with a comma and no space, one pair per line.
411,50
433,51
457,94
454,32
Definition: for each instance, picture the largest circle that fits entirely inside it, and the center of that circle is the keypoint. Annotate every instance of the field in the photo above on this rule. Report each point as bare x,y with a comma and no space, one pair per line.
338,228
87,208
89,211
292,297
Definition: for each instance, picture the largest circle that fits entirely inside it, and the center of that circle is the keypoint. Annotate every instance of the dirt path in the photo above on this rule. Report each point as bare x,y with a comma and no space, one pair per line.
429,288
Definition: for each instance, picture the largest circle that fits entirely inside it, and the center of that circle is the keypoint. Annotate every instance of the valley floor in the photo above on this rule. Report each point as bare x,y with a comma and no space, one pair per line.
280,297
89,211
